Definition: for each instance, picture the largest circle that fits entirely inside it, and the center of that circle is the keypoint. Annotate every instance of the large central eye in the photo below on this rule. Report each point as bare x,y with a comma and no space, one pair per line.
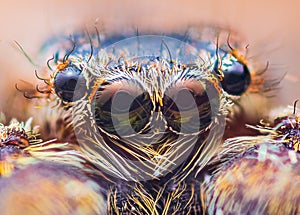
186,107
69,84
122,108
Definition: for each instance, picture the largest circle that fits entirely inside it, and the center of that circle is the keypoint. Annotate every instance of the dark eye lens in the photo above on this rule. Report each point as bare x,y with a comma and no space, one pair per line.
187,108
122,109
236,78
184,99
69,84
121,102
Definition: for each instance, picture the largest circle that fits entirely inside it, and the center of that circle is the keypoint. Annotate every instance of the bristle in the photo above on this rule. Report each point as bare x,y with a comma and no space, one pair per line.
158,149
45,177
263,180
50,188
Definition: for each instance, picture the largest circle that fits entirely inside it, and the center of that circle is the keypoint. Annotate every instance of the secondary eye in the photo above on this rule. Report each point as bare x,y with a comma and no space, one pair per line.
69,84
186,107
122,108
236,78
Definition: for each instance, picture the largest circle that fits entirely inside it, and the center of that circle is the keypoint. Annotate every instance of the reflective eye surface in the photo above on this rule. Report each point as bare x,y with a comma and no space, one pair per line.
186,107
122,108
236,78
69,84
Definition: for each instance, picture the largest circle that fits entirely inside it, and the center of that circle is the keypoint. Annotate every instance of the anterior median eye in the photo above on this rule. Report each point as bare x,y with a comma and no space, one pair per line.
185,99
122,101
69,84
122,108
186,107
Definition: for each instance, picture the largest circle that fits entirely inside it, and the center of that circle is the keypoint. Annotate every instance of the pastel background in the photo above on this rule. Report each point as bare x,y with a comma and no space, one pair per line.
270,28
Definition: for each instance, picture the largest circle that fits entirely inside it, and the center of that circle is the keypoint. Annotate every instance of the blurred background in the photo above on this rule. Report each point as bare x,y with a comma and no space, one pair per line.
269,27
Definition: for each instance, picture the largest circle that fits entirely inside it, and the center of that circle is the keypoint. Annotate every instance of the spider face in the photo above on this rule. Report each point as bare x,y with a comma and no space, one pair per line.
149,112
129,106
150,99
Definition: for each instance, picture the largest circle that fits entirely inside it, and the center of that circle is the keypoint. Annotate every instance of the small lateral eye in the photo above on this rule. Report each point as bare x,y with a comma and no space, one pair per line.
69,84
236,78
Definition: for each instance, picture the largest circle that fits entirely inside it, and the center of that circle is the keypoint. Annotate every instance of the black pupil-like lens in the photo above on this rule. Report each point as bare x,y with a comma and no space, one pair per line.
236,78
69,84
121,102
185,99
120,111
187,109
